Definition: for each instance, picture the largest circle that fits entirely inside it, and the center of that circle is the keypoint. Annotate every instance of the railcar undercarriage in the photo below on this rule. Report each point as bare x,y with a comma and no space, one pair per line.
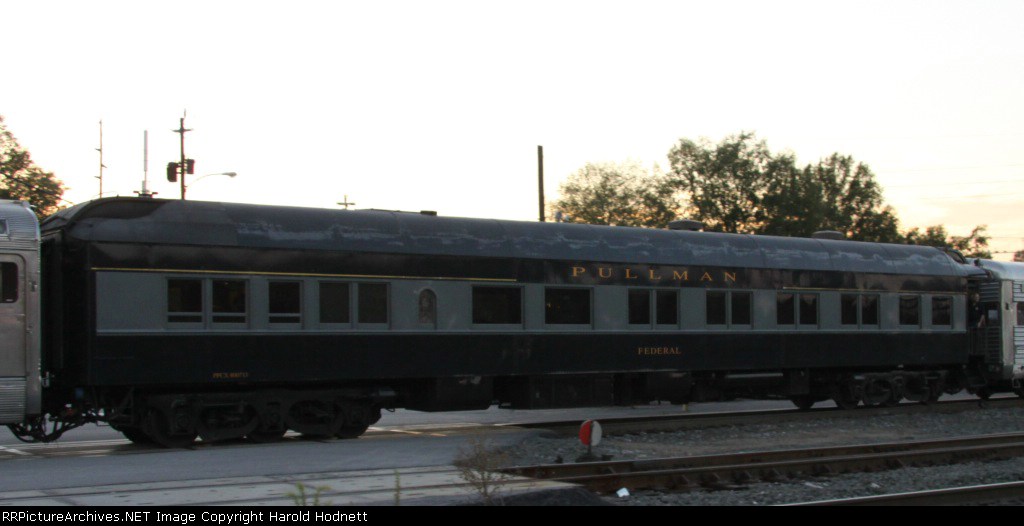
175,420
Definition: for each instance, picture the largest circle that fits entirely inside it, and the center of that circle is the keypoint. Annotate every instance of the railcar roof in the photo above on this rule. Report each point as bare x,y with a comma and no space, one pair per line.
159,221
1002,269
18,226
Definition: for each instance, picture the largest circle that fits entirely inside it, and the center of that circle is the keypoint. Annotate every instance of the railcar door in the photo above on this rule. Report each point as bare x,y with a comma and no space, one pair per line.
996,322
13,351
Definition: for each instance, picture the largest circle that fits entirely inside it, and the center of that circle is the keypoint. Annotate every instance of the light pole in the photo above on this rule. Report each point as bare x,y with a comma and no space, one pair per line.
200,178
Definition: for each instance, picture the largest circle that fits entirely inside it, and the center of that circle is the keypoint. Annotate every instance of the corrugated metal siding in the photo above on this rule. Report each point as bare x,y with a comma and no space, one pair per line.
1018,291
990,347
989,291
12,400
1018,345
989,337
22,228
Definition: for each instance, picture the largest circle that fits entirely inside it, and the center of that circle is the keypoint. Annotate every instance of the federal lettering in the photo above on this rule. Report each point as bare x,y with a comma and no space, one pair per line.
657,351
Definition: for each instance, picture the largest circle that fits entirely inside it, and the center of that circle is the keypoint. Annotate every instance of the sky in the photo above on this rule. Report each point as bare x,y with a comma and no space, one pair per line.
441,105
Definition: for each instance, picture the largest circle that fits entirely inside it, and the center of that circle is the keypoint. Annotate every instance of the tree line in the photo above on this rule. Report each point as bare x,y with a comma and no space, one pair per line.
738,185
21,179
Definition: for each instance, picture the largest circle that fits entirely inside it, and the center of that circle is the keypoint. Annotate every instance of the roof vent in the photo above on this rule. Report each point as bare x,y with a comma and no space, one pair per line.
955,254
686,224
829,234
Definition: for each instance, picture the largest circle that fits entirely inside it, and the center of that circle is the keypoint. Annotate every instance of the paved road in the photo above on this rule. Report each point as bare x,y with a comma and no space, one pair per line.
95,455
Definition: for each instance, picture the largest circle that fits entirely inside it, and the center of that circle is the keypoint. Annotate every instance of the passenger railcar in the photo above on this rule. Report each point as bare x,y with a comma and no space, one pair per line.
175,319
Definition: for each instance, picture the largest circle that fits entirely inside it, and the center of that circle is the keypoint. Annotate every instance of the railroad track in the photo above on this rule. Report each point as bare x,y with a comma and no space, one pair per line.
732,470
985,493
668,423
611,426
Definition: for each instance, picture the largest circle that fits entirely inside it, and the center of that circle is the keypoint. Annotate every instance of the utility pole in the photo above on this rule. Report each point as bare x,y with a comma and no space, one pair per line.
346,204
100,149
186,165
540,179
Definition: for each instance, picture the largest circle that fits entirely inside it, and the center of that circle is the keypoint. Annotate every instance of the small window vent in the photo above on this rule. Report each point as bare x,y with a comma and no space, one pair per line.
828,234
686,224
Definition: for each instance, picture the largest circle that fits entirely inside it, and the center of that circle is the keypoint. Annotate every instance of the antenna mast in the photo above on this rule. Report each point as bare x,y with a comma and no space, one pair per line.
145,167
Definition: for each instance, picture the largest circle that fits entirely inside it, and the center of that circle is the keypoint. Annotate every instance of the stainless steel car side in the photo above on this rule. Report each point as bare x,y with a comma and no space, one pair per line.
20,382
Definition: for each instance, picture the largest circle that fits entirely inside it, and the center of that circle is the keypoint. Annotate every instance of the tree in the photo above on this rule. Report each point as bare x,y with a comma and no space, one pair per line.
933,236
21,179
725,184
623,194
738,185
974,245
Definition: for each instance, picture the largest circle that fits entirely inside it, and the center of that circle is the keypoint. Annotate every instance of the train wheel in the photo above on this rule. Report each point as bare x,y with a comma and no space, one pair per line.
158,427
881,392
803,402
984,393
844,398
136,435
222,423
314,418
358,418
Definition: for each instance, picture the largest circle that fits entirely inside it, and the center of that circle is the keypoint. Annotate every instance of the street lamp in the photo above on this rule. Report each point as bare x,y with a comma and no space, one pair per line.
200,178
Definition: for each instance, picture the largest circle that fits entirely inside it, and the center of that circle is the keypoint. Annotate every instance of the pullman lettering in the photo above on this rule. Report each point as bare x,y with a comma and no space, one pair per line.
652,275
650,351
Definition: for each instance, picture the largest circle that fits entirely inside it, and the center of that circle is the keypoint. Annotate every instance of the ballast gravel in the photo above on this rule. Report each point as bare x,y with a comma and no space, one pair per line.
827,431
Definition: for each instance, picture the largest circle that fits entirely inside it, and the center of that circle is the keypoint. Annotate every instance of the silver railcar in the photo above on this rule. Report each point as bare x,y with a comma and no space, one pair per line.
20,381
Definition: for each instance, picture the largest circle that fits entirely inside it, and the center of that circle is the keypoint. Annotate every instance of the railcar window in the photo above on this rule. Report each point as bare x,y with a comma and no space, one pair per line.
334,298
428,307
567,306
942,307
373,303
910,310
229,301
8,282
859,309
285,301
1020,314
869,309
715,303
808,309
497,305
785,309
639,307
667,307
185,301
740,308
849,304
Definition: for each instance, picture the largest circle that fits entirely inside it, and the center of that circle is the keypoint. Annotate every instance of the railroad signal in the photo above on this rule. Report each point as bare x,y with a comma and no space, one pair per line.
590,433
590,436
173,169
